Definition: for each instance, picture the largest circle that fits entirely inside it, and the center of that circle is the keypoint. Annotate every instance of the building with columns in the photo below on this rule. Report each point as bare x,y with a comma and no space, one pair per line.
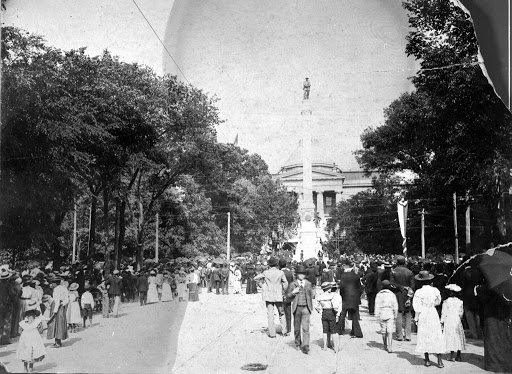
330,183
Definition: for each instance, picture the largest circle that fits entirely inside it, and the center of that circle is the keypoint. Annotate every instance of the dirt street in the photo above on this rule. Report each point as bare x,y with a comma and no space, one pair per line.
220,334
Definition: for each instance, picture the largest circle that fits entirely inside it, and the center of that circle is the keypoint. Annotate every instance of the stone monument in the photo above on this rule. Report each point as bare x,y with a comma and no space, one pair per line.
309,240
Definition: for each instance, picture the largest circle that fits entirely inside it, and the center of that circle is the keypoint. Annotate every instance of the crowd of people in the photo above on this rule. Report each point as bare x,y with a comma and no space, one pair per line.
432,298
62,301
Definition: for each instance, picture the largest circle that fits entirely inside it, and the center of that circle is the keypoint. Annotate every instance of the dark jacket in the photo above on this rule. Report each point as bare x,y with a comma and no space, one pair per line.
216,274
142,283
115,285
308,286
370,281
310,275
469,278
350,290
401,277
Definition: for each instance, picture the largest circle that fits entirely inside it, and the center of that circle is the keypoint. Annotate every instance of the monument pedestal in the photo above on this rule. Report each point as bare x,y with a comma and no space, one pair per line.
309,243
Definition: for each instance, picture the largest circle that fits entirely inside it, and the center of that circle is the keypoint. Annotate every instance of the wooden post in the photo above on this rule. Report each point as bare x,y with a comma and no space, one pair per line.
74,236
228,244
156,237
455,227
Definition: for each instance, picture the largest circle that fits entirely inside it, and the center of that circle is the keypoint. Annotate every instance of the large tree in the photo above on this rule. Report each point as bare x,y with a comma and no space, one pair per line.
452,133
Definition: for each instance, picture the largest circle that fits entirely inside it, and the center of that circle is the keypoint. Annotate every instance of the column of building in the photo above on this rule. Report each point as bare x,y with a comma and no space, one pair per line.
320,203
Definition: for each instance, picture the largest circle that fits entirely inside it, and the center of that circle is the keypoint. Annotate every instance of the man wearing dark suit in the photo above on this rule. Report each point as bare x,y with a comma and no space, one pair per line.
301,293
370,284
310,274
142,288
469,278
350,291
216,279
287,305
403,280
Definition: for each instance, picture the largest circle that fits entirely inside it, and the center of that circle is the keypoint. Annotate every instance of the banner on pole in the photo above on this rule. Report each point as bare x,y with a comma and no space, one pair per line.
402,219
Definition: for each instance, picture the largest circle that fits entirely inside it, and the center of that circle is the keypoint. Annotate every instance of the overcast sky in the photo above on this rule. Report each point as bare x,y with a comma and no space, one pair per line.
254,56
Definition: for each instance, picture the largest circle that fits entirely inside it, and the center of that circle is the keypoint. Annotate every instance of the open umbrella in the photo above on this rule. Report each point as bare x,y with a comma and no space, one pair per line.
497,269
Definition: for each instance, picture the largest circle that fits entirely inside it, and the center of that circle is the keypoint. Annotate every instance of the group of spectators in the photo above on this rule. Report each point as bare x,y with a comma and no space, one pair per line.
434,298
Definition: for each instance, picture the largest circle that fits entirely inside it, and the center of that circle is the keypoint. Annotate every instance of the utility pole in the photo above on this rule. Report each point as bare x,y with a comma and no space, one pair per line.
468,227
156,237
422,233
228,244
74,236
455,227
89,240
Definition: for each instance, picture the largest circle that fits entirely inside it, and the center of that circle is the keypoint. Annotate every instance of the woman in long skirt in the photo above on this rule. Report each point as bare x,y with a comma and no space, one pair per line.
57,326
430,335
152,291
181,282
251,283
166,288
237,281
451,315
192,282
74,314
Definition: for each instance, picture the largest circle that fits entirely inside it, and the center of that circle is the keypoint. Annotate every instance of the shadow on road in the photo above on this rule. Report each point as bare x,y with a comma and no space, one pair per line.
48,366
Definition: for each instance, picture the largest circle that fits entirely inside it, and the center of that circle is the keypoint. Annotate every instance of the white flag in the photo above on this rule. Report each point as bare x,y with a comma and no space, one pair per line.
402,219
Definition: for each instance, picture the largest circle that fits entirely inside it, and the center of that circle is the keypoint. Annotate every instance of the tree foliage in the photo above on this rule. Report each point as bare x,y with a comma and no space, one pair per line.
122,144
452,133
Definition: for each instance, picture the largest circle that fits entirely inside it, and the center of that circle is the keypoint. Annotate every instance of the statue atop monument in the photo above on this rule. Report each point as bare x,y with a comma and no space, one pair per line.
306,88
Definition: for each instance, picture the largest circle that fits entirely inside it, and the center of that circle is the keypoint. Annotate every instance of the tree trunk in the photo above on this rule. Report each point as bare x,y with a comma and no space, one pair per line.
140,237
92,232
116,234
501,224
105,229
56,245
122,226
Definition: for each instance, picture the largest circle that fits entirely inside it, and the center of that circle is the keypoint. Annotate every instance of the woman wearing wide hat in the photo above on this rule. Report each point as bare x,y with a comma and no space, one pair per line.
430,335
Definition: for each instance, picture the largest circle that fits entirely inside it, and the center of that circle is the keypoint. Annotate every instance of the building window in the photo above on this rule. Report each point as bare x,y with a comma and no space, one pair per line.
328,201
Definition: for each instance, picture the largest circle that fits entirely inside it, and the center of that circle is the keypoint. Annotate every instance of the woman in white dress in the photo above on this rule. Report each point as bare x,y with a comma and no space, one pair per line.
181,283
166,288
430,335
74,314
152,291
237,281
453,332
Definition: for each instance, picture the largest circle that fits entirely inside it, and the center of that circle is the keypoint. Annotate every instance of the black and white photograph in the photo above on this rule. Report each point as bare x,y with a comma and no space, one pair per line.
275,186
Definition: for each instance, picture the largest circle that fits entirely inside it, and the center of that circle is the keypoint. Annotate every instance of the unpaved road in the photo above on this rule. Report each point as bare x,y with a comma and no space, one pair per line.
220,334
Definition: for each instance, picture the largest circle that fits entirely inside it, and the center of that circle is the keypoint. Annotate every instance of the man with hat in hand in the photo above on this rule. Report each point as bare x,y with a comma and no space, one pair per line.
403,281
350,291
274,285
301,290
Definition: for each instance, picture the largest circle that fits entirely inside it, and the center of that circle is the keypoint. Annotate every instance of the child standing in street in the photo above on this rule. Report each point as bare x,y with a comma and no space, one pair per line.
87,302
453,332
386,310
329,305
30,346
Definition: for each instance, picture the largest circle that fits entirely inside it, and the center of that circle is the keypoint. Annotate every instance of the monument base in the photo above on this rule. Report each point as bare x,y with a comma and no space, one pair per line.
309,243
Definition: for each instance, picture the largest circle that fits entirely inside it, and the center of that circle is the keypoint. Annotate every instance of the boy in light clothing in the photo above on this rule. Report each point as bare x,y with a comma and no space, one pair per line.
386,310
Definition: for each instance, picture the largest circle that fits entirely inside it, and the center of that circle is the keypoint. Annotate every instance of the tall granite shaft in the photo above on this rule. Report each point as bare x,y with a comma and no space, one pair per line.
309,243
